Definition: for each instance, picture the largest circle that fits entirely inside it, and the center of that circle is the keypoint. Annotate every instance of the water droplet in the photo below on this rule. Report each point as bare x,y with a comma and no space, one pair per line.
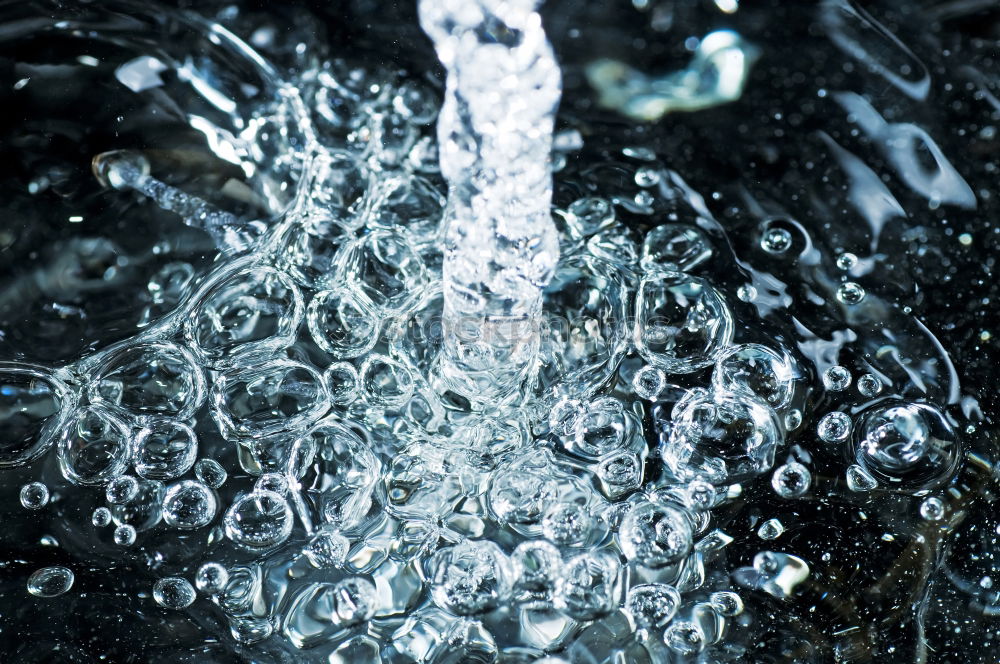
834,427
188,505
342,324
124,535
259,520
210,473
174,593
50,581
94,447
726,603
771,529
34,496
211,578
836,378
850,293
567,523
793,419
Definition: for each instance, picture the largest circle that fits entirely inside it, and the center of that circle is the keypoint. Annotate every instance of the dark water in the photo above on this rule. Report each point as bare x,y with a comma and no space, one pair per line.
886,585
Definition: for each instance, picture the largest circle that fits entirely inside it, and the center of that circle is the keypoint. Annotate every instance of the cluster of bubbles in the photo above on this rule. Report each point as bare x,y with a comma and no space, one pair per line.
387,517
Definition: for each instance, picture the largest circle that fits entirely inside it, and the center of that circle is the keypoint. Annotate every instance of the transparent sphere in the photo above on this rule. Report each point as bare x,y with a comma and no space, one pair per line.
50,581
211,578
869,385
850,292
469,578
655,534
34,496
652,605
173,593
259,520
932,509
755,370
188,505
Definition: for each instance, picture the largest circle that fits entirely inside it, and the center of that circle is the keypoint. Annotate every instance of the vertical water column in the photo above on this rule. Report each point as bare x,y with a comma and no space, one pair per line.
495,140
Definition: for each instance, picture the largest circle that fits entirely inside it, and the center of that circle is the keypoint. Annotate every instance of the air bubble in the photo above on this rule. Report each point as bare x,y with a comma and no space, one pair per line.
50,581
587,216
651,606
776,240
850,292
846,261
173,593
34,496
932,509
655,534
536,567
836,378
101,517
210,473
685,638
728,604
648,382
188,505
682,322
677,247
793,419
834,427
791,480
211,578
164,449
587,587
121,490
469,578
859,479
354,600
327,548
869,385
755,370
124,535
771,529
259,520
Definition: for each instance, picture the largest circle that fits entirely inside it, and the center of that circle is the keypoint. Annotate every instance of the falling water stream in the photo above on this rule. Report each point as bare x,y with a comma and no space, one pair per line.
677,353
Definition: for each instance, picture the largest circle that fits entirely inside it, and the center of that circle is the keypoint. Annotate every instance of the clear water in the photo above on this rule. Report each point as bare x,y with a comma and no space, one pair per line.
753,424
